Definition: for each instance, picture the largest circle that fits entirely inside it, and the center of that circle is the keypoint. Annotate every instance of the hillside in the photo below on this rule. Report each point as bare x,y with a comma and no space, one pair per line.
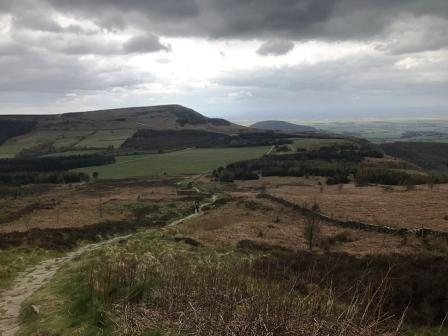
99,130
282,126
429,155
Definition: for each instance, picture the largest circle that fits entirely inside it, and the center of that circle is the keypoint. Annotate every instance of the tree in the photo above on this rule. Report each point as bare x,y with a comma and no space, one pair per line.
311,230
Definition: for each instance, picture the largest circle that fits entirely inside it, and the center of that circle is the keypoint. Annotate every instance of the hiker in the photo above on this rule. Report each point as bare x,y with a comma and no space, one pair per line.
196,207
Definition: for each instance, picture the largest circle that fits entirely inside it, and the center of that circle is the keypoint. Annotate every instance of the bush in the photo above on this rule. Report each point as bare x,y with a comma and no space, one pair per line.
337,180
413,283
389,177
342,237
226,176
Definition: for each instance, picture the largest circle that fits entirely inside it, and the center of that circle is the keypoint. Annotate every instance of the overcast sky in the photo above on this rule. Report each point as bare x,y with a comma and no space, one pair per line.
237,59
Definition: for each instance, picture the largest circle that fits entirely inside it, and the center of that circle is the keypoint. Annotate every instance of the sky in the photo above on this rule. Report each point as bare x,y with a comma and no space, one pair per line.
243,60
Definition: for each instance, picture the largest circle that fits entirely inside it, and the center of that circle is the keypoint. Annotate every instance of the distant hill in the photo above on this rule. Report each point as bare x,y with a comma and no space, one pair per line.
148,117
98,130
282,126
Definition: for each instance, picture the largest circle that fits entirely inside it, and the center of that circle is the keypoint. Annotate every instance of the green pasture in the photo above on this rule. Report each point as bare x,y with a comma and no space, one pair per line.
188,161
72,141
105,138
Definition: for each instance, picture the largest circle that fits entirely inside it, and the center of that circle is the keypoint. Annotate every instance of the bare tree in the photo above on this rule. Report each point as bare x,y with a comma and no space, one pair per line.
312,230
26,222
100,207
431,184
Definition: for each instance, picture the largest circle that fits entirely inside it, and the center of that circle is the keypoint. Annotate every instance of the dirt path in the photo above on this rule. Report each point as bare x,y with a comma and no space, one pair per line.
270,150
29,281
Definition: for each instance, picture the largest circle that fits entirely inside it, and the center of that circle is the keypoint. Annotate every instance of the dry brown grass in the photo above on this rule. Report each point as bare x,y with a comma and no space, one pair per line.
396,207
277,225
87,204
190,296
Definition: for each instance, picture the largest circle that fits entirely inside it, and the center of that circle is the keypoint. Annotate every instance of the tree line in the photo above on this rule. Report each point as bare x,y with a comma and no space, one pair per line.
334,163
10,128
17,172
51,164
176,139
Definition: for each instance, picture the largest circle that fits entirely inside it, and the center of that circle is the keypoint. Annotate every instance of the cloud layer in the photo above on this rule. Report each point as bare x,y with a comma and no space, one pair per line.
218,55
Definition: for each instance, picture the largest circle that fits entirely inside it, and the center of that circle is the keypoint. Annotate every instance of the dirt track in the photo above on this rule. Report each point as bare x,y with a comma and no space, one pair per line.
28,282
31,280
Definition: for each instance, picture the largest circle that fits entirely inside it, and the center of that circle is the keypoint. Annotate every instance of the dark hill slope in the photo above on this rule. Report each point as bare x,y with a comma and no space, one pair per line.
429,155
99,130
148,117
282,126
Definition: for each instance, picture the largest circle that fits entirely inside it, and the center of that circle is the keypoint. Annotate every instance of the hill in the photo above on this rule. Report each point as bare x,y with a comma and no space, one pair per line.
282,126
99,130
429,155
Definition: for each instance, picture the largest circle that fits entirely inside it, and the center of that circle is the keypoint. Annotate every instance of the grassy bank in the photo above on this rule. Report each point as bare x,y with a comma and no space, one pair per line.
16,260
155,284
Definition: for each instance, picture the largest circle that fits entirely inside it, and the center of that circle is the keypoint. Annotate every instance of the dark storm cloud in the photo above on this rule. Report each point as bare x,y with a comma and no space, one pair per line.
145,43
275,48
60,46
43,23
166,8
295,19
116,14
238,19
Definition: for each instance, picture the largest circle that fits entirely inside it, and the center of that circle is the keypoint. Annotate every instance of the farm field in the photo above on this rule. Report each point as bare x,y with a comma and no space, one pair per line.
105,138
60,139
188,161
387,131
66,141
393,207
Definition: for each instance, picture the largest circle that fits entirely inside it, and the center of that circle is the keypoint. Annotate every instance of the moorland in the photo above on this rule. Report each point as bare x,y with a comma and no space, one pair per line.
160,221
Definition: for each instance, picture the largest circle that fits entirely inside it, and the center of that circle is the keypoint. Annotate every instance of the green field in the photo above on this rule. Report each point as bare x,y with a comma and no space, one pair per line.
387,131
189,161
105,138
59,139
79,140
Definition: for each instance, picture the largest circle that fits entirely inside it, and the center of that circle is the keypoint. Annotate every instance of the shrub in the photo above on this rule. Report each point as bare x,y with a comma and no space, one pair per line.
389,177
209,298
342,237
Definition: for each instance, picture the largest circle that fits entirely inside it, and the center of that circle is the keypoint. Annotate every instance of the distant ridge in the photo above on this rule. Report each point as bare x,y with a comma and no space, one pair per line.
282,126
145,117
99,130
